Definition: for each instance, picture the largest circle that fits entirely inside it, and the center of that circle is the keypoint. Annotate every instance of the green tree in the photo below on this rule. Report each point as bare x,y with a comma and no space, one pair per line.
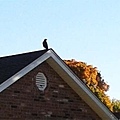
116,105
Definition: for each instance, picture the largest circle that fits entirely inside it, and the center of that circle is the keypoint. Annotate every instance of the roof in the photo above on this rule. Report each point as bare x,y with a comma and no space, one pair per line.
12,68
10,65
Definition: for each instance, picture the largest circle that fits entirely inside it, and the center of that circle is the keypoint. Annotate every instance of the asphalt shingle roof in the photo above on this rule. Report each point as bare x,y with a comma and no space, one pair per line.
10,65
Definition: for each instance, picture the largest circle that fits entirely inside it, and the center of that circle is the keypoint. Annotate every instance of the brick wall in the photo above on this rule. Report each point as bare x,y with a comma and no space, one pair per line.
23,100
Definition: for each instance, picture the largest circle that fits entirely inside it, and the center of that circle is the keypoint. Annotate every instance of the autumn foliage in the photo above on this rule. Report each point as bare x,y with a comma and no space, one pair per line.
92,78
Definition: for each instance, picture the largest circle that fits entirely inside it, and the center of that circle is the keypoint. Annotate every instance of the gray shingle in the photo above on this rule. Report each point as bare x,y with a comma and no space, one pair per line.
10,65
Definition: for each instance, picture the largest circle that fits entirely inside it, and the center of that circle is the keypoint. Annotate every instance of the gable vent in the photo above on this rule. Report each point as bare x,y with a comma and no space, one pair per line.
41,81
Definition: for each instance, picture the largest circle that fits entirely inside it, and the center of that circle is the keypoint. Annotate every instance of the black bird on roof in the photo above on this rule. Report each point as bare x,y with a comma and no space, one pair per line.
45,45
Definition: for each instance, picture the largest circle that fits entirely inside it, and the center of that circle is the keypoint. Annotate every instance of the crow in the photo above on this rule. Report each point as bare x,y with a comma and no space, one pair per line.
45,45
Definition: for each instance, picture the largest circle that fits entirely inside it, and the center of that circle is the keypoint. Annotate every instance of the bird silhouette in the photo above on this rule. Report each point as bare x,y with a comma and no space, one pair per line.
45,45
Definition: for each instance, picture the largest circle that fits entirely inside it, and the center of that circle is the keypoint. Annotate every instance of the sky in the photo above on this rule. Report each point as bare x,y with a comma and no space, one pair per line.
84,30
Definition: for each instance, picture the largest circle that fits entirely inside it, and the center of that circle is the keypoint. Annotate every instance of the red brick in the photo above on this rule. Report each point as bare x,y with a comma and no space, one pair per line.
23,100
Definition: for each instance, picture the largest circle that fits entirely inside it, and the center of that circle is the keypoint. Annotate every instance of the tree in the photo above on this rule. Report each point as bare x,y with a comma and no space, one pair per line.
116,105
92,78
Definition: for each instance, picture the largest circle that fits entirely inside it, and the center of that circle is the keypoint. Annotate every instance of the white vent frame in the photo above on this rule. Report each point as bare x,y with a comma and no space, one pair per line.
41,81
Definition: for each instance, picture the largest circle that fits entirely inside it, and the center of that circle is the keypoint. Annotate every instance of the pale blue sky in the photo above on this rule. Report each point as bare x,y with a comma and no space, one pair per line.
85,30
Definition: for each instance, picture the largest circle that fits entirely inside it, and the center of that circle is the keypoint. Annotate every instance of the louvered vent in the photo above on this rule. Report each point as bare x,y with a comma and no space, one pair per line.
41,81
